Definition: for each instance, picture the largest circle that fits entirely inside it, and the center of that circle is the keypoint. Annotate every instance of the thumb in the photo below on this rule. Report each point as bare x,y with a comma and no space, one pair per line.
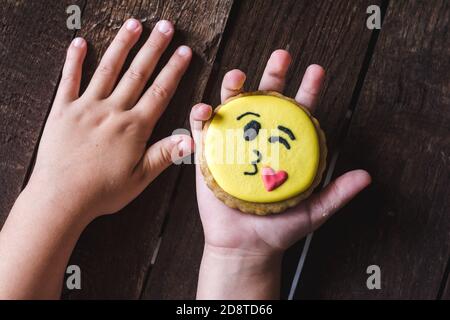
200,112
310,214
338,193
165,152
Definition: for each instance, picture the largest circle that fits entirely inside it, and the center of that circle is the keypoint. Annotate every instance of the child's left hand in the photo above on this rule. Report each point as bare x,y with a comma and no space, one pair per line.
93,149
242,254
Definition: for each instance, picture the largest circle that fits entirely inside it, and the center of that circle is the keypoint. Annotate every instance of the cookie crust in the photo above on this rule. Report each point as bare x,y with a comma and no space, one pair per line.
272,207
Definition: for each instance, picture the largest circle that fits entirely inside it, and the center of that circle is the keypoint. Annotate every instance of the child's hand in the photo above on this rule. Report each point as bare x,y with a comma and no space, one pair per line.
246,246
92,158
93,152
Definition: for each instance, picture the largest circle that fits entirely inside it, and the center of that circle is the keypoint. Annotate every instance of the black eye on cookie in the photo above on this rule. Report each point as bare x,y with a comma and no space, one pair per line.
251,129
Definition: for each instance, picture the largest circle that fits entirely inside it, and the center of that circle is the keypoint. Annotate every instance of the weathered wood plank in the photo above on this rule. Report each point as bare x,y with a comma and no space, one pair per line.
115,252
445,286
400,132
331,33
33,40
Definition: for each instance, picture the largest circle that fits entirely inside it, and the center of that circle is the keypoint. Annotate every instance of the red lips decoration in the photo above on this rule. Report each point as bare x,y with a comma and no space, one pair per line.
272,179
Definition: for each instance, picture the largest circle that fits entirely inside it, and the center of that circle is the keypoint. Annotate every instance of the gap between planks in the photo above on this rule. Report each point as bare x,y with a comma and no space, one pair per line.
232,14
342,140
444,285
230,19
159,241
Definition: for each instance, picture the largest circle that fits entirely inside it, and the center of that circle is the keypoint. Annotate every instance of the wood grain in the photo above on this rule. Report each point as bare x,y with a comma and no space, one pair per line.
114,253
330,33
400,133
33,40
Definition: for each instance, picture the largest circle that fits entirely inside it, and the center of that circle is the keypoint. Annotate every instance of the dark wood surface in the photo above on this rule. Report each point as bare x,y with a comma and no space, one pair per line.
395,82
33,41
400,132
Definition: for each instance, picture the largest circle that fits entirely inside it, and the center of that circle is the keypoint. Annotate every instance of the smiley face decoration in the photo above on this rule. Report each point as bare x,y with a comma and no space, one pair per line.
262,152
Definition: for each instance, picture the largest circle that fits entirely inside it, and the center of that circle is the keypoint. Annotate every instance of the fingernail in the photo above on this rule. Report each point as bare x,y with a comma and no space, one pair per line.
78,42
203,108
164,26
184,50
132,25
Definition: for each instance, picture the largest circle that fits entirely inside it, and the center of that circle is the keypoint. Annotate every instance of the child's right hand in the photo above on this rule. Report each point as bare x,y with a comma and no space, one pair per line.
247,243
93,154
92,159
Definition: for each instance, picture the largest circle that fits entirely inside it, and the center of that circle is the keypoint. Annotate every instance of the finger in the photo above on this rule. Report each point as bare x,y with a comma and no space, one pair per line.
200,112
108,70
133,82
312,82
232,84
274,75
69,85
324,204
155,99
165,152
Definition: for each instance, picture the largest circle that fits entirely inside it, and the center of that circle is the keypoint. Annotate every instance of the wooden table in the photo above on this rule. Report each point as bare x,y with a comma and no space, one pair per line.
385,108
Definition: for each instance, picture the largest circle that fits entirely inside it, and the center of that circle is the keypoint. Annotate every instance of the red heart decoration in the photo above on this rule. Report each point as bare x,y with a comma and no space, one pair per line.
272,179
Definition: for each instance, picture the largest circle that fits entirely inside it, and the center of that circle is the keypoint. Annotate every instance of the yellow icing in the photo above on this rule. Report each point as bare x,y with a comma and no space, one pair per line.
229,160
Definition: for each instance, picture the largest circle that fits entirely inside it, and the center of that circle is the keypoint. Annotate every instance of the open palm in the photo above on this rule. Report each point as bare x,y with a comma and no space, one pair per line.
229,228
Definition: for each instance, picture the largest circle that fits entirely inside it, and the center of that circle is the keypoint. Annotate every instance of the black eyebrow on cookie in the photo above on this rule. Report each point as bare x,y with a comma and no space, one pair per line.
287,131
246,114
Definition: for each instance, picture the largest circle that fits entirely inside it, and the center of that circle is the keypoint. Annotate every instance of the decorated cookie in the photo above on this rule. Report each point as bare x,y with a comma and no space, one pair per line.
262,152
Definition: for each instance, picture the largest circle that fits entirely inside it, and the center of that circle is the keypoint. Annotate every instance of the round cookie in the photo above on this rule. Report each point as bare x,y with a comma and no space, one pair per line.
262,152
